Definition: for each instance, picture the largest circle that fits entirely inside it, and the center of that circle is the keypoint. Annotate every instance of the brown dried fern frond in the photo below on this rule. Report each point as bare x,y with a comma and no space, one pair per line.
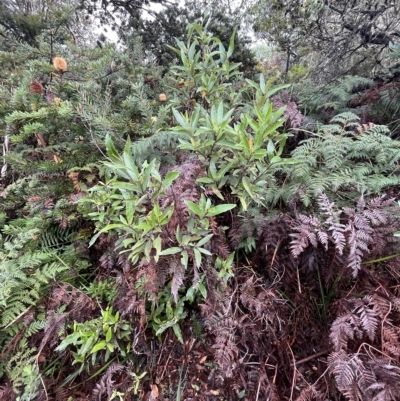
106,385
183,189
311,394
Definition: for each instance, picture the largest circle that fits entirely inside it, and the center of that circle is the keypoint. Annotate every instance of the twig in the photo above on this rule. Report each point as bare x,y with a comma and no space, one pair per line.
294,373
89,127
41,379
384,321
258,389
18,317
311,357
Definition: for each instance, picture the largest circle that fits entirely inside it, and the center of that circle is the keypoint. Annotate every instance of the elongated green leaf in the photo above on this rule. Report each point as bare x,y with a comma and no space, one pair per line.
252,83
169,178
221,208
138,246
204,180
94,238
108,335
231,43
129,211
177,51
272,128
99,346
197,257
185,259
194,208
178,333
195,119
203,290
164,327
111,150
381,259
202,250
170,251
247,186
109,227
87,346
272,91
71,339
262,83
270,148
181,121
124,185
131,166
205,240
191,51
157,246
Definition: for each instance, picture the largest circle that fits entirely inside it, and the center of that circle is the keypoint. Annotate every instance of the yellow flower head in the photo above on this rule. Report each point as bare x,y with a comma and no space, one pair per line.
162,97
60,64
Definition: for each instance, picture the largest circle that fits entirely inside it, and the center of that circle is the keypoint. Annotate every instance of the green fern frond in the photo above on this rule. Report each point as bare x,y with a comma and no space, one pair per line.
341,157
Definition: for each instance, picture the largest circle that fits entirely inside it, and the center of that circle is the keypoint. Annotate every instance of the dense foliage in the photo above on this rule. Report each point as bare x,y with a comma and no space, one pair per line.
334,38
160,33
184,230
